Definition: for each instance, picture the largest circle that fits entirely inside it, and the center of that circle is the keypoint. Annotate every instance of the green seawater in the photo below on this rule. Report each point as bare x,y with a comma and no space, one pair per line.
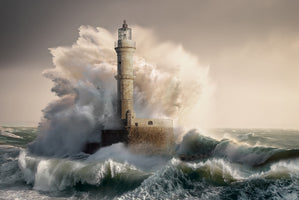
23,136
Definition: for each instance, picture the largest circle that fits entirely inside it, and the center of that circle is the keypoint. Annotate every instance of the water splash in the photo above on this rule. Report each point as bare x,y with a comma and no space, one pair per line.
170,82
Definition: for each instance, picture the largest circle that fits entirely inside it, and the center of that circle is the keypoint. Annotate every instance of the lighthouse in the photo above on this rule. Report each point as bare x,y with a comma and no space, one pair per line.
125,48
157,134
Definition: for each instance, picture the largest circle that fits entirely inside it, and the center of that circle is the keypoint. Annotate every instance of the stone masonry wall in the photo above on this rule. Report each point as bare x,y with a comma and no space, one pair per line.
151,139
138,122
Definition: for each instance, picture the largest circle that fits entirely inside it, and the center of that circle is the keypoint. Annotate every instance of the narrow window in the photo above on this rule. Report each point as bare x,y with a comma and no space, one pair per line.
136,124
150,123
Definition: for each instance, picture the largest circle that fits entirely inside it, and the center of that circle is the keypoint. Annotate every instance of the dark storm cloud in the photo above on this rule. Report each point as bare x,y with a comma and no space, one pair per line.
29,27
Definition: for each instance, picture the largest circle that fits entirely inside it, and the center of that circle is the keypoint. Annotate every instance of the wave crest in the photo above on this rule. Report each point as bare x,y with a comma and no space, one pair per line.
58,174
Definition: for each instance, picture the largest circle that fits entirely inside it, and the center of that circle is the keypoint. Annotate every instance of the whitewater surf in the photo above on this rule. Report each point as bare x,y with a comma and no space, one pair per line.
240,165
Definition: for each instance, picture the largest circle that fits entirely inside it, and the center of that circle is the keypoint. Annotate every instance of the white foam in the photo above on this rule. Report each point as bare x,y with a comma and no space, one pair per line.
57,174
120,153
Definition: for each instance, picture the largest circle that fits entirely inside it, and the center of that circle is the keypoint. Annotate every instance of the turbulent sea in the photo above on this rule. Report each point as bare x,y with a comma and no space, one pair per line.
239,164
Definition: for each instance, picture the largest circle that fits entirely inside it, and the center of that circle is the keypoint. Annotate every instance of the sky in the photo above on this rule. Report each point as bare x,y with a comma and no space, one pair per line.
251,47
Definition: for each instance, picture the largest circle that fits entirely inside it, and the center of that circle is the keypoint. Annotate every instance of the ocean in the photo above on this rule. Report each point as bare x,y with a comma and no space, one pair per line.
225,164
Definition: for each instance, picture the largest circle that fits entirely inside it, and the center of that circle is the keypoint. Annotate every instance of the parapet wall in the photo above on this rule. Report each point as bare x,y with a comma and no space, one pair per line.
139,122
125,43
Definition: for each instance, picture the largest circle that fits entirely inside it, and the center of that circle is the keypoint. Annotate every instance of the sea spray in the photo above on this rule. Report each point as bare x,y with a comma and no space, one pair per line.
120,153
171,83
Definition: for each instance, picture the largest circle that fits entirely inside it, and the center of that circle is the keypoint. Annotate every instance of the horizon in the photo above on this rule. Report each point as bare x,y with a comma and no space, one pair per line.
35,125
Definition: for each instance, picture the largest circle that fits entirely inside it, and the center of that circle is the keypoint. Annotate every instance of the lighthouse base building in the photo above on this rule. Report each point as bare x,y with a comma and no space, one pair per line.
150,134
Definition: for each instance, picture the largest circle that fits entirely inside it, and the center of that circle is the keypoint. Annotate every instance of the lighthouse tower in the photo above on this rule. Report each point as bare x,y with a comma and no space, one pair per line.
157,133
125,48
